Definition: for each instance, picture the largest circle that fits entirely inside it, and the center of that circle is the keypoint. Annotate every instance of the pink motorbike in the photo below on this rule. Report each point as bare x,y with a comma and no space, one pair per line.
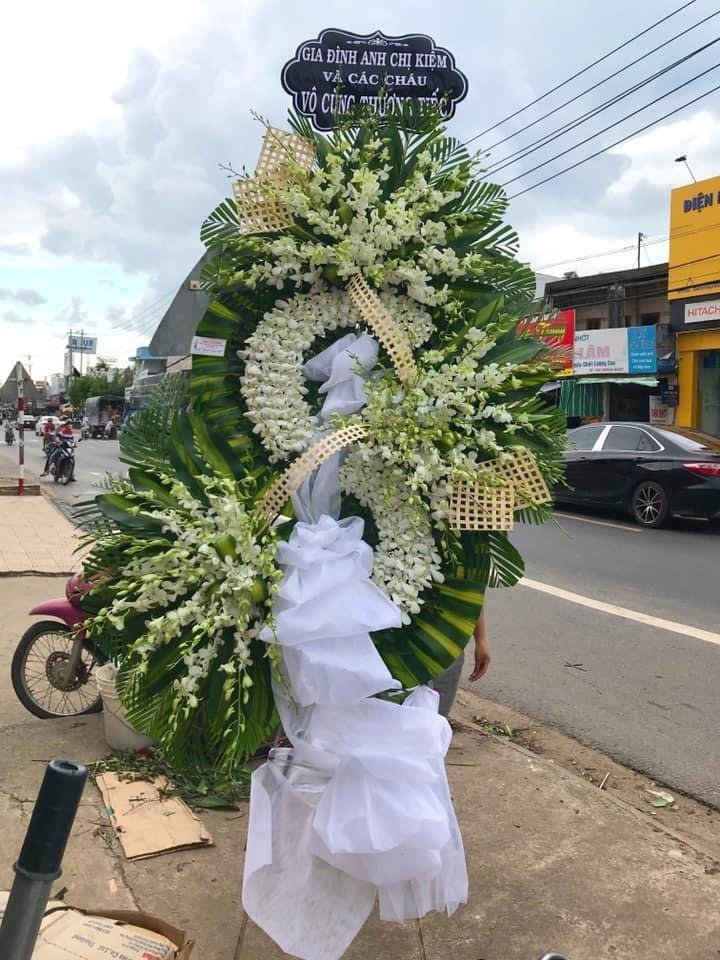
52,666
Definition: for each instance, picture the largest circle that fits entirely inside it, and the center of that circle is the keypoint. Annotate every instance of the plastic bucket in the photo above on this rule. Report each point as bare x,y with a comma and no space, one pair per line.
119,734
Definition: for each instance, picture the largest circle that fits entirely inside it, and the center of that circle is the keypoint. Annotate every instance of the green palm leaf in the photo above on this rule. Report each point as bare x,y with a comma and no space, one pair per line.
221,225
437,635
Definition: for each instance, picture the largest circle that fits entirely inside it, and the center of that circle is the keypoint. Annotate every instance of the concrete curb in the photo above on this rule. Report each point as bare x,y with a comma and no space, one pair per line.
9,487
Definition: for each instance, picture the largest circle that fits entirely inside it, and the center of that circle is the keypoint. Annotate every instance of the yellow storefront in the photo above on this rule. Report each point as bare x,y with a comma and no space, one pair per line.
699,381
694,295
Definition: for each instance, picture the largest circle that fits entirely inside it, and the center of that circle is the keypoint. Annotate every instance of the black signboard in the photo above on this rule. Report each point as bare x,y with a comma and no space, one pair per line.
339,70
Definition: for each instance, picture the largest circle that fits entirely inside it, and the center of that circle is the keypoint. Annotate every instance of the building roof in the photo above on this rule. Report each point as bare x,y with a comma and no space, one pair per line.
8,391
616,284
145,353
177,327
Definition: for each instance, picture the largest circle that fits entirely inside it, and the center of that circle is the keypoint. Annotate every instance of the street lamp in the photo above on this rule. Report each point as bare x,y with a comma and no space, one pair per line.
683,159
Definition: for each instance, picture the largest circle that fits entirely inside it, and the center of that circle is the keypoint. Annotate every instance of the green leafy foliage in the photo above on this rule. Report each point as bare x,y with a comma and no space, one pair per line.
97,385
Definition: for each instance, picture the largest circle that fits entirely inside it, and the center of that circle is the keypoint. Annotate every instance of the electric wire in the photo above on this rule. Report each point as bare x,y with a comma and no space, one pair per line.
611,126
616,143
604,80
650,242
543,141
579,73
123,324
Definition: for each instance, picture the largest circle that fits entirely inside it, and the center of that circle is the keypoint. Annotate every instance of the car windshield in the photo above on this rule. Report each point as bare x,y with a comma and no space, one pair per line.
583,438
691,440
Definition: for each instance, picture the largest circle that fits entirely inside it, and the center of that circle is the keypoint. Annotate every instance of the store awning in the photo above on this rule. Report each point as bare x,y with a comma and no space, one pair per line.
581,399
642,381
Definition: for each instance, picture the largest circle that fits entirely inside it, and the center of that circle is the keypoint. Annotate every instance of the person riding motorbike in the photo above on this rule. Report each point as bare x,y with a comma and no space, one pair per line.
63,437
65,429
85,429
9,433
110,429
48,435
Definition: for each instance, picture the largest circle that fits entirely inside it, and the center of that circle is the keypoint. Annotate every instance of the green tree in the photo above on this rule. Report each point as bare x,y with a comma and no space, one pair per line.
93,386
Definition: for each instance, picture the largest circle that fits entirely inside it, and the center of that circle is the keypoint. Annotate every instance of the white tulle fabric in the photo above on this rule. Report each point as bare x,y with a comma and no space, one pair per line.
343,367
359,809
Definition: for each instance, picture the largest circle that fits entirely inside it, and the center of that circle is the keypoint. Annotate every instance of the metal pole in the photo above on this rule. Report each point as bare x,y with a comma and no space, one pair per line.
21,427
70,350
641,237
40,859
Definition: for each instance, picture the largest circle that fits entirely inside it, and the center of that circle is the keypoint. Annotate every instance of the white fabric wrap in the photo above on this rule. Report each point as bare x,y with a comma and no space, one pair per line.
359,808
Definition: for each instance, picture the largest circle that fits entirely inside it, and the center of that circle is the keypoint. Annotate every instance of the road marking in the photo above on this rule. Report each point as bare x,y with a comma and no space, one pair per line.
671,625
599,523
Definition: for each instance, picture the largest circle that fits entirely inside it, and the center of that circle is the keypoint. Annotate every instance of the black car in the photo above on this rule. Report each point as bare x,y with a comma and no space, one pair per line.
653,472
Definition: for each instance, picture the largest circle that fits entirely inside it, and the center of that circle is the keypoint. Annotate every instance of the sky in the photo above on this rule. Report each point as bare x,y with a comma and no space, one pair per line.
116,119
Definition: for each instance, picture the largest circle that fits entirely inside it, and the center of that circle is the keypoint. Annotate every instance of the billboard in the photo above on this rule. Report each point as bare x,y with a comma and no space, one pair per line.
616,350
557,330
86,344
694,256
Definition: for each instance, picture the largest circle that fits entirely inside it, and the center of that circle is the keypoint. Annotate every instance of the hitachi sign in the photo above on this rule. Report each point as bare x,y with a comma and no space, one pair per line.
702,312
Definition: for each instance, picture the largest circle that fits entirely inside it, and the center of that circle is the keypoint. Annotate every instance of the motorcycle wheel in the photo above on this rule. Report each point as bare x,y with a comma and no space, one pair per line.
66,472
36,680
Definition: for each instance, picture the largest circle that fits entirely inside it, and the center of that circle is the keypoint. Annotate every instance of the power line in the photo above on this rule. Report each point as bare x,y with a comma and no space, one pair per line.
610,146
610,126
581,72
123,324
543,141
140,334
650,242
599,83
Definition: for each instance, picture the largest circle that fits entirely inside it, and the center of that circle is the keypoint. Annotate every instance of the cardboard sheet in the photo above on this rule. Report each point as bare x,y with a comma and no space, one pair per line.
146,823
68,934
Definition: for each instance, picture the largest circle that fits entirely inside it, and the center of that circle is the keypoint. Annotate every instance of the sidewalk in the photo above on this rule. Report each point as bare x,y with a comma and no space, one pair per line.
554,862
35,537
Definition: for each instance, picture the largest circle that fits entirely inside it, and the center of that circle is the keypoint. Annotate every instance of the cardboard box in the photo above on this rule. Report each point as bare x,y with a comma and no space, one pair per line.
70,934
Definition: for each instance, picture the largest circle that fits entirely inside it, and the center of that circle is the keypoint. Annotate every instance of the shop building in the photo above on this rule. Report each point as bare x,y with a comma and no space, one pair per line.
694,298
624,362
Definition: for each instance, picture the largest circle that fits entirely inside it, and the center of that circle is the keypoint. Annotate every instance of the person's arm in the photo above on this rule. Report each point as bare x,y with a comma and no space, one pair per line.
482,650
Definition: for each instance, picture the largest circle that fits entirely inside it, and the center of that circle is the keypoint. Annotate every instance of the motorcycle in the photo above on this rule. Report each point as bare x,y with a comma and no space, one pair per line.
84,433
52,666
62,460
9,436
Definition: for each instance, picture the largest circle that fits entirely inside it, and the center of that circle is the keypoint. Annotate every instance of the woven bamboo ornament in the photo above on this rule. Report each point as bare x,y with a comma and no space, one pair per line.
384,326
476,507
279,147
259,209
301,468
522,474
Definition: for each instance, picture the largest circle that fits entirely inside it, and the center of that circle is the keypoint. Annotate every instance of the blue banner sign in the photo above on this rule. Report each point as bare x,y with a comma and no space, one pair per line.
642,352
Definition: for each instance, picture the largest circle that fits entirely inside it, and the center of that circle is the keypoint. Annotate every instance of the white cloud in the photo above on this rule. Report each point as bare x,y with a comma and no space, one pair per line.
652,155
109,156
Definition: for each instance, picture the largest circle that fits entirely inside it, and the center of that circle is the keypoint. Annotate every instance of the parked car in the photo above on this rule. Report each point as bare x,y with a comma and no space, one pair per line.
40,425
652,472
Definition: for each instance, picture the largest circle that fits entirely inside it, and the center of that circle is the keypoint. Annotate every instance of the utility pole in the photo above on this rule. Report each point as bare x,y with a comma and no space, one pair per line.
70,350
641,237
21,427
82,344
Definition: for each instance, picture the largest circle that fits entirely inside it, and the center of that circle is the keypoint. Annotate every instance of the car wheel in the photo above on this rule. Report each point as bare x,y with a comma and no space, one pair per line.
650,506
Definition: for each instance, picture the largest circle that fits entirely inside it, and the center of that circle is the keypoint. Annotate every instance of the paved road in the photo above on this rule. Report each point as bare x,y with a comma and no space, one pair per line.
94,458
644,692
